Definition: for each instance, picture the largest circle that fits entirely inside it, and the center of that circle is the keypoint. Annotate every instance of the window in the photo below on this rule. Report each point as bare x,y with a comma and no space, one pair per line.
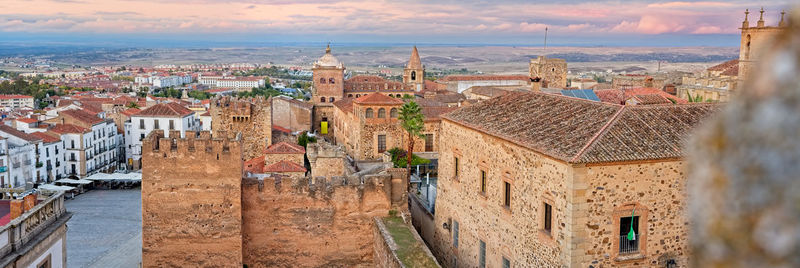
331,99
455,234
155,124
381,143
507,194
141,137
322,80
349,95
629,235
413,75
548,218
321,99
333,81
429,142
73,144
483,182
45,263
455,165
171,124
381,113
393,113
482,254
506,263
141,123
368,114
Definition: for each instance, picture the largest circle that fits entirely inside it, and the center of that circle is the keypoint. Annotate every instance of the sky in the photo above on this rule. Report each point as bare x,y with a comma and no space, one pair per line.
510,22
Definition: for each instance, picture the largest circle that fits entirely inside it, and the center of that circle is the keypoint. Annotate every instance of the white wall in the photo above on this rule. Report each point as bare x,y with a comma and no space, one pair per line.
55,253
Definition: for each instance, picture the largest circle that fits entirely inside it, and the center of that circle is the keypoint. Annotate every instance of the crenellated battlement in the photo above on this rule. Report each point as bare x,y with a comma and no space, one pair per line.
193,142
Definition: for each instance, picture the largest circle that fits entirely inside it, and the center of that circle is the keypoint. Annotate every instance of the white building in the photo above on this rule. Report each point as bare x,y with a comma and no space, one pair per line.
50,155
205,121
16,101
22,149
234,82
4,164
95,151
72,137
164,116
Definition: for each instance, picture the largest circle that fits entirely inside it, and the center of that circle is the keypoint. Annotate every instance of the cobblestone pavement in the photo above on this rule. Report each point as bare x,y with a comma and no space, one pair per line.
105,229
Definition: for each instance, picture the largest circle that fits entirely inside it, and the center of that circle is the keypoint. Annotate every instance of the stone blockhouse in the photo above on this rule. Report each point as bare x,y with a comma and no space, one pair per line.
251,117
200,208
552,73
369,126
558,184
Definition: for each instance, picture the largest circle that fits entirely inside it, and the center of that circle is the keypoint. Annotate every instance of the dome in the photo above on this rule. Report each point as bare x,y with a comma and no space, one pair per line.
328,60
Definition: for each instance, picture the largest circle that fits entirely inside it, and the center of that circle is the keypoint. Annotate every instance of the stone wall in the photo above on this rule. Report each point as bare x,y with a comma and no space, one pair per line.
384,247
289,222
552,71
294,158
291,114
191,201
327,160
251,117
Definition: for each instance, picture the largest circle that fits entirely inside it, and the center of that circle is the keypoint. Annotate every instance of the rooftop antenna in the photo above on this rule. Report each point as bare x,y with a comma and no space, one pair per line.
545,41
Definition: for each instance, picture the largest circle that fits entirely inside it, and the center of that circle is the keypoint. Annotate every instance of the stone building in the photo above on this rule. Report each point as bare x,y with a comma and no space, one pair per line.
200,208
251,117
563,183
714,84
368,126
34,229
460,83
552,73
291,114
754,43
414,73
638,81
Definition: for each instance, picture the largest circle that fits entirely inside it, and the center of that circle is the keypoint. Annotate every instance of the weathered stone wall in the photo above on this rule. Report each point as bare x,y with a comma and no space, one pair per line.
294,158
191,201
515,233
553,72
383,254
326,160
251,117
423,220
291,114
657,189
289,222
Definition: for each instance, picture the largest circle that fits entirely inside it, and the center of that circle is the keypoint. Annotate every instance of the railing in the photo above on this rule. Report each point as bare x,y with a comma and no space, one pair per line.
17,233
628,246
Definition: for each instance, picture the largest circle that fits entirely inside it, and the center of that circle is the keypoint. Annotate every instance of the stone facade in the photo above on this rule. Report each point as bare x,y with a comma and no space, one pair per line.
552,72
291,114
250,117
755,42
638,81
587,203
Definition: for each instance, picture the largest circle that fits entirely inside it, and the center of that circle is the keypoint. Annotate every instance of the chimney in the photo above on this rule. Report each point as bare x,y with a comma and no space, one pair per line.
16,208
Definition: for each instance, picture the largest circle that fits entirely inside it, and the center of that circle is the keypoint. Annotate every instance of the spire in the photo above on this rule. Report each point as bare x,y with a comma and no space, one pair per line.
761,19
746,23
782,23
414,62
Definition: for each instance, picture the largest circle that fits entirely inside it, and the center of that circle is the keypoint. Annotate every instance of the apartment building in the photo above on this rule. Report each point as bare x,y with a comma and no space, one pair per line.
165,116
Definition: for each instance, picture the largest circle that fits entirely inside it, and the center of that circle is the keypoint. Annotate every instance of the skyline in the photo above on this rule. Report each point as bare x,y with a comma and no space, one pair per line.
507,22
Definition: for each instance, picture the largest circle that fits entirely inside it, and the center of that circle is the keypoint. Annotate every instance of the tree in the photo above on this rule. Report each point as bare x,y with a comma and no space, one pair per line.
413,122
132,105
696,99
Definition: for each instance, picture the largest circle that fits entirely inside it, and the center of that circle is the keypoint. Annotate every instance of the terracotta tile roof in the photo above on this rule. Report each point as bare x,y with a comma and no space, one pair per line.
19,134
433,113
47,138
450,97
378,99
581,131
619,96
346,105
284,166
369,83
431,85
281,129
649,99
8,97
255,165
92,108
451,78
131,111
491,91
27,120
285,148
82,116
207,113
68,128
170,109
429,102
414,62
729,68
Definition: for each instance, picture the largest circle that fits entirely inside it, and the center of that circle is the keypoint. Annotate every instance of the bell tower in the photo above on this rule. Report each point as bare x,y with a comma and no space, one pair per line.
755,42
414,73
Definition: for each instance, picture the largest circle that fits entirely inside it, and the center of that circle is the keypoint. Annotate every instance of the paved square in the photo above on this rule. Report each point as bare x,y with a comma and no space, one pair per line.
105,229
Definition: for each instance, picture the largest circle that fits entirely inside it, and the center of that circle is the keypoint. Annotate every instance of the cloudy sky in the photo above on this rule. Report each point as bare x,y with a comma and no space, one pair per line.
668,23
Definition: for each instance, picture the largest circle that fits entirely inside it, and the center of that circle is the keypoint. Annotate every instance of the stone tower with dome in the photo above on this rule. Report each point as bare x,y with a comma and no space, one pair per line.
328,73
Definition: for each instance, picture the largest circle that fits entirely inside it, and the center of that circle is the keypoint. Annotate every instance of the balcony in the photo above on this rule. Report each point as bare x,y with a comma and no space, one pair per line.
17,234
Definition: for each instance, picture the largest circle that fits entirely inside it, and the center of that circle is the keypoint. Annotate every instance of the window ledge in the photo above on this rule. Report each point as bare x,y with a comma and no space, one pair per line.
630,257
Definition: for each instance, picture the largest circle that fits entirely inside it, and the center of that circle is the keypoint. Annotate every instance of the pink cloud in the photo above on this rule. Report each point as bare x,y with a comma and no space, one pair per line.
707,30
532,27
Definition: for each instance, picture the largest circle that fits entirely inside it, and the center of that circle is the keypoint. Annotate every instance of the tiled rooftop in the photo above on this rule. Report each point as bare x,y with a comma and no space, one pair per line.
450,78
47,137
581,131
285,148
170,109
68,128
19,134
379,99
82,116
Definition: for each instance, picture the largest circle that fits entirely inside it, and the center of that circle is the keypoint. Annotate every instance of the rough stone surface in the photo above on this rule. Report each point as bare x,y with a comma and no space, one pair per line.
291,223
744,185
250,117
191,201
291,114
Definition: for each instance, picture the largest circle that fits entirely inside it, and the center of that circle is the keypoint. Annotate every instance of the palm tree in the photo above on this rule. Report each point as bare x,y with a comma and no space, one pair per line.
413,121
133,105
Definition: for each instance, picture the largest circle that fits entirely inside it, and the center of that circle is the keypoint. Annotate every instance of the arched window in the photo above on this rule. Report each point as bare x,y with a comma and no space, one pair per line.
358,95
368,114
349,95
393,113
381,113
321,99
413,75
322,80
331,99
747,48
333,81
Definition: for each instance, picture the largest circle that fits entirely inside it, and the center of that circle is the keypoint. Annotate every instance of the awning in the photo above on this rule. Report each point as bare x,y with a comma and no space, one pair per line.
123,177
52,187
71,181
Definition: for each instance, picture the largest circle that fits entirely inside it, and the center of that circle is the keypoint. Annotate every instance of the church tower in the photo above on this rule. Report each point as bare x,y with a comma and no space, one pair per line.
414,73
755,41
328,75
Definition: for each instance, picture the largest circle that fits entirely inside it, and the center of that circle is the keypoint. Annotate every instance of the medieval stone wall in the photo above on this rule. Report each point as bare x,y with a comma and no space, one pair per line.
294,158
553,72
191,201
290,222
291,115
251,117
